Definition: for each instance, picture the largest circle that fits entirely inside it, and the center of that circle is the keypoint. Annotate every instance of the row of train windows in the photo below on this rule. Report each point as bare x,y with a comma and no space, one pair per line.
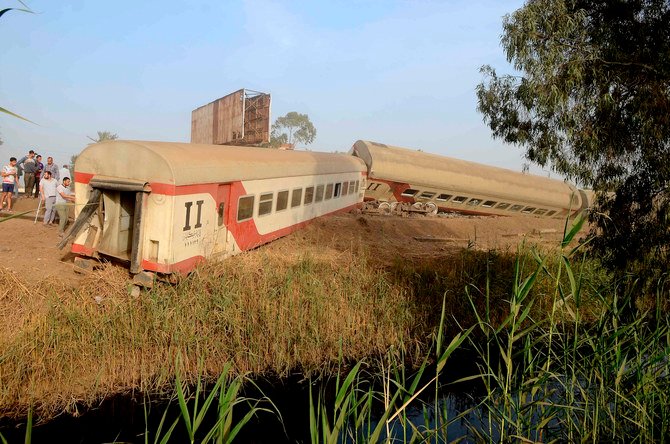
245,206
443,197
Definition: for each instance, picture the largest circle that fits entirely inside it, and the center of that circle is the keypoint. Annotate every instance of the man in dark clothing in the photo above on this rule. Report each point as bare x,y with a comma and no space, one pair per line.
29,165
38,174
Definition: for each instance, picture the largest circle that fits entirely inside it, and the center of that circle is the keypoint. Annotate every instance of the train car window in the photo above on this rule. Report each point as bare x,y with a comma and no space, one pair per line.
528,210
503,206
516,207
474,202
338,190
443,197
245,208
296,197
221,212
282,200
319,193
551,213
489,204
427,195
345,188
409,192
352,184
357,185
265,204
541,212
309,195
459,199
329,191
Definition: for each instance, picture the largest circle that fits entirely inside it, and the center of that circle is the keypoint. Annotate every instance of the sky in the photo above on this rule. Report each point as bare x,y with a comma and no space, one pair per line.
400,72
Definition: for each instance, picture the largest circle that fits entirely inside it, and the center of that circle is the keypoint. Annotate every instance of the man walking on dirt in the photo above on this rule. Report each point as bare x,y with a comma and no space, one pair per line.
48,187
29,165
63,196
8,179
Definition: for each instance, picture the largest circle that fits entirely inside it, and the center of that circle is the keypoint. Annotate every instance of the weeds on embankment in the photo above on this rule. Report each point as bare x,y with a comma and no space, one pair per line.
555,356
62,349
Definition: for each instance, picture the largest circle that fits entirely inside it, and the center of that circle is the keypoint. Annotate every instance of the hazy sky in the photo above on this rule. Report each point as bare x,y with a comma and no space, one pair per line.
399,72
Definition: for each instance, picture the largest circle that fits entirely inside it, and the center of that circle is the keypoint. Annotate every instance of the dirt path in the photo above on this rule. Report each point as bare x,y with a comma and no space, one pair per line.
29,250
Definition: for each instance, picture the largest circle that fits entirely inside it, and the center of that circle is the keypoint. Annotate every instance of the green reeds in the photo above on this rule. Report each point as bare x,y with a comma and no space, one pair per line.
561,354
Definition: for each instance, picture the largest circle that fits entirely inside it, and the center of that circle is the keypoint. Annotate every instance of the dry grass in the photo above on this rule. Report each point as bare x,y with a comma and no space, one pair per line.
300,306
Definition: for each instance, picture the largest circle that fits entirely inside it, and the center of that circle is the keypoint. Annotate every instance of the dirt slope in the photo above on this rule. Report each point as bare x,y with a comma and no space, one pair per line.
29,250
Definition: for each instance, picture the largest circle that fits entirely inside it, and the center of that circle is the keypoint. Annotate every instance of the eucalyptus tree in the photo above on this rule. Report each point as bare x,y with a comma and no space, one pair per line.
292,128
591,100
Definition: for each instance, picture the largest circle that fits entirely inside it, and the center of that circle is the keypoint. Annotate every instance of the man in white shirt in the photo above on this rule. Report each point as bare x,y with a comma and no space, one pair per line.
8,179
63,196
48,187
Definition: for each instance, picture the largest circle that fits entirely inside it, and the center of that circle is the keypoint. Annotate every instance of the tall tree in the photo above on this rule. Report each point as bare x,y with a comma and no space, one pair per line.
292,128
593,102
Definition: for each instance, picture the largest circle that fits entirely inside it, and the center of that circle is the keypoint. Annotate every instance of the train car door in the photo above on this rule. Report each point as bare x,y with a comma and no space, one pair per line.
120,204
222,214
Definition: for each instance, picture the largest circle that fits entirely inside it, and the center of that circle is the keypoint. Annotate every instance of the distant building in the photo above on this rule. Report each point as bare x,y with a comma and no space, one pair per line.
240,118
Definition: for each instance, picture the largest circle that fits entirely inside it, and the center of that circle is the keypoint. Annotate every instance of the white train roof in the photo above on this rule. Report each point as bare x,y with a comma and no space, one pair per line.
186,163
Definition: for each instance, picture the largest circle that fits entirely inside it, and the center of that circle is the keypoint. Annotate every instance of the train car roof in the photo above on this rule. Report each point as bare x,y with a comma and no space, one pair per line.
186,163
431,170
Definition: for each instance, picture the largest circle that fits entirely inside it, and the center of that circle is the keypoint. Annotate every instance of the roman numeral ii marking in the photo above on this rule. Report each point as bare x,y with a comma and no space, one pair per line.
187,223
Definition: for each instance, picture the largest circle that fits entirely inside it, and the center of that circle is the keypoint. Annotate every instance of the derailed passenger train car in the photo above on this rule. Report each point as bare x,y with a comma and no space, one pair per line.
402,175
165,207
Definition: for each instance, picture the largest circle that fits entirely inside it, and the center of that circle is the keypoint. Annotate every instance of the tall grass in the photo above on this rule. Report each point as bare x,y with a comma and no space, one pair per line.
557,354
556,375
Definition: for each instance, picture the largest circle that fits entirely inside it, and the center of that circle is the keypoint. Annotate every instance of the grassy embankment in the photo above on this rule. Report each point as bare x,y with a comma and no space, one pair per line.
555,354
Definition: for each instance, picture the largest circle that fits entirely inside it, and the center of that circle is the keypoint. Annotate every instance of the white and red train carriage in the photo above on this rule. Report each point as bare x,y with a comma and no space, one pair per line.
164,207
402,175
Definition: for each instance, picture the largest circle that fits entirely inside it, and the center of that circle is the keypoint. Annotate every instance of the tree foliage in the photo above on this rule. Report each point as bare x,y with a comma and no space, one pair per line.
593,103
104,135
292,128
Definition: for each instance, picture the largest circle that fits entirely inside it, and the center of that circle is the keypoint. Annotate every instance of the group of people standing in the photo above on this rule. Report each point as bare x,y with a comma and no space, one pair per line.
40,181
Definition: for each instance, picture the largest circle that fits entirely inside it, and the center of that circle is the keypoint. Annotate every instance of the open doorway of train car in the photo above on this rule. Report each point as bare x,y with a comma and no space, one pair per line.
119,219
117,209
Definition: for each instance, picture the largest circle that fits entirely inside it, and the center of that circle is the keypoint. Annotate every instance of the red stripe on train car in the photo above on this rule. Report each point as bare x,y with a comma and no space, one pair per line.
84,178
82,249
178,267
245,233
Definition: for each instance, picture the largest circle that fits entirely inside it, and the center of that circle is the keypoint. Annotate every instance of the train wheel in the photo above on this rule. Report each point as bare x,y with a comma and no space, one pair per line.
384,208
431,209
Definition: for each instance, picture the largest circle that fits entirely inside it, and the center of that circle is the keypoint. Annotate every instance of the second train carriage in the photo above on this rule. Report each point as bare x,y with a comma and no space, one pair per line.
164,207
401,175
